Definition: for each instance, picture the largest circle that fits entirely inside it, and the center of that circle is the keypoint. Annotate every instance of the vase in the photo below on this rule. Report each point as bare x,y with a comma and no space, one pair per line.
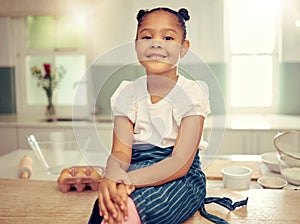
50,110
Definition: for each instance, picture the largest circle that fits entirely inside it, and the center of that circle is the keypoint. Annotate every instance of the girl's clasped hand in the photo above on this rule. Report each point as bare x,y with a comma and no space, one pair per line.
112,201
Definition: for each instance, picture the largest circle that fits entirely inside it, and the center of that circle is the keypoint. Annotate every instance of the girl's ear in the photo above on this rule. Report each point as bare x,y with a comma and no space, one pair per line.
185,48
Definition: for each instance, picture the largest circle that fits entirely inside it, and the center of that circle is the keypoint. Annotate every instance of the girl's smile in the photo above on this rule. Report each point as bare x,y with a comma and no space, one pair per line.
156,56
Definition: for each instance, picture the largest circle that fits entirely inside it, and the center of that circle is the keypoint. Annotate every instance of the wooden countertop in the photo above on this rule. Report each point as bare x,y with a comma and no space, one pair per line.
31,201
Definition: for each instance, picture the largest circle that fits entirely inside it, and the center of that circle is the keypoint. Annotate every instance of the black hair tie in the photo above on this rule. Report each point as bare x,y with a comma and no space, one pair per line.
141,14
184,14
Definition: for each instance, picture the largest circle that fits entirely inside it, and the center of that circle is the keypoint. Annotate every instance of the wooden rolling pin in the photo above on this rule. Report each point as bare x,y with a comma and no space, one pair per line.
25,167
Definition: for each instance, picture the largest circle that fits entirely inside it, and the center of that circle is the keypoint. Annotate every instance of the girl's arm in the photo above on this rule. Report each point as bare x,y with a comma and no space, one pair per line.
179,163
119,160
111,199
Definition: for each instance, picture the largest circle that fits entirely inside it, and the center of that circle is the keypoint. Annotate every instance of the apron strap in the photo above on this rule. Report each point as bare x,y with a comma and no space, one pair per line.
225,202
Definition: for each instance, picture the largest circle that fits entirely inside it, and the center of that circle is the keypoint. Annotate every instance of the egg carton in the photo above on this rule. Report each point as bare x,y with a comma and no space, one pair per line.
80,178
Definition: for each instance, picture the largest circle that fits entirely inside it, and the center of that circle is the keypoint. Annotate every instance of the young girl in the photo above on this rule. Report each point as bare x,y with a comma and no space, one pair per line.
153,174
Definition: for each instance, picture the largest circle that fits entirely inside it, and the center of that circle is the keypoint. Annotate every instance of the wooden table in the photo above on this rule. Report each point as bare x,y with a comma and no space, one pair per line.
31,201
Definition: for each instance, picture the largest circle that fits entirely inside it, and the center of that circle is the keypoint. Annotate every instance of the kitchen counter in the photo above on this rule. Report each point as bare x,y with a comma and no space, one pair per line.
40,121
233,121
30,201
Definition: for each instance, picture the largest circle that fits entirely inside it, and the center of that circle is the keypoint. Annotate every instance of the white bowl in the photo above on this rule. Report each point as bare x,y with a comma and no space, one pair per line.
271,160
272,182
287,144
236,177
291,174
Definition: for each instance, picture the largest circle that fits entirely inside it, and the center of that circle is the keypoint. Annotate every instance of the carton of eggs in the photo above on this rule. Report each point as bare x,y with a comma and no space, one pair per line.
80,178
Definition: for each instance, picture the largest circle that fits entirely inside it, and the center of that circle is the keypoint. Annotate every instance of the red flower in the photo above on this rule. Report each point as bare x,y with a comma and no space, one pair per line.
47,68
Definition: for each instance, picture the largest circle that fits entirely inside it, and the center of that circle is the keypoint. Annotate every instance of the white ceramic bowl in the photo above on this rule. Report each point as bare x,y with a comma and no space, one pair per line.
291,174
272,182
236,177
271,161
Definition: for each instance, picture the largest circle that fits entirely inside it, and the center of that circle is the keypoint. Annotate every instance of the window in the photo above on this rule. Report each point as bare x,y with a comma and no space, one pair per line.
253,54
61,41
48,32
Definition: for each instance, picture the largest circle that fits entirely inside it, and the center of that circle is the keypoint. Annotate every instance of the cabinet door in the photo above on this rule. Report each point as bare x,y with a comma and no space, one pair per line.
263,141
8,139
233,142
105,133
236,142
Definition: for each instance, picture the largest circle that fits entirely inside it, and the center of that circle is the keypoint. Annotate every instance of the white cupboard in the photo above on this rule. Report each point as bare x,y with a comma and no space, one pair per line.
14,131
247,142
8,139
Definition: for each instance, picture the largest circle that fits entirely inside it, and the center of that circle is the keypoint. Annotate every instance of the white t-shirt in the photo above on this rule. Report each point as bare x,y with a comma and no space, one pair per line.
158,123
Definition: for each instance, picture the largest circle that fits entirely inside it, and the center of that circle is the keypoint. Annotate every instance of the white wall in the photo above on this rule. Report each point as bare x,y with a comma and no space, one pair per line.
111,26
115,24
290,33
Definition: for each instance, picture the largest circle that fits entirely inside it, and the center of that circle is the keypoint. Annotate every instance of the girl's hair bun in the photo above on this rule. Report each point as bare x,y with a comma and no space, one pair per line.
184,13
141,14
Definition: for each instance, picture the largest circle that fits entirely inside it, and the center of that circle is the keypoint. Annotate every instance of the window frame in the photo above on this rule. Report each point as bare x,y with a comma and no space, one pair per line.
275,54
21,52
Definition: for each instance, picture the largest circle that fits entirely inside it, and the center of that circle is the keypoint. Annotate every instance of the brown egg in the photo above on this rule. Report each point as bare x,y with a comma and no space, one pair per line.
80,172
63,176
99,170
95,175
66,170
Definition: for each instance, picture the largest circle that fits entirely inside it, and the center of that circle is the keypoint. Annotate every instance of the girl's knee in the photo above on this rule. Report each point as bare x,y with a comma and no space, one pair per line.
133,215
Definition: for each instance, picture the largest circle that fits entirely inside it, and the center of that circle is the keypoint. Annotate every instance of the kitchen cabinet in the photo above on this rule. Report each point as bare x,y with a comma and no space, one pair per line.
8,139
234,141
262,141
247,142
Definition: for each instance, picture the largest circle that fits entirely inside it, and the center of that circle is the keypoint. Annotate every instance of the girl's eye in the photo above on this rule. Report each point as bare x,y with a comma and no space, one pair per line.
146,37
168,38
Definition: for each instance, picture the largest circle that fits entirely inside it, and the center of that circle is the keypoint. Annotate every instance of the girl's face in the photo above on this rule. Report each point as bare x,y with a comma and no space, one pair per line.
160,42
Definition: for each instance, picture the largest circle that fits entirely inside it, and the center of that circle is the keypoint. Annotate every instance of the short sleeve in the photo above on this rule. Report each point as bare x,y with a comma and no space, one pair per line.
200,104
192,100
123,101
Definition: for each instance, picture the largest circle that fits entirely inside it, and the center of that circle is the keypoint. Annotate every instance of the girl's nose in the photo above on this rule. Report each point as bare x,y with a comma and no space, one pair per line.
156,44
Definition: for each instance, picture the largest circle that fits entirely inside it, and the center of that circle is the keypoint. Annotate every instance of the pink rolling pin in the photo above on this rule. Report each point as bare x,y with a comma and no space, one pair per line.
25,167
